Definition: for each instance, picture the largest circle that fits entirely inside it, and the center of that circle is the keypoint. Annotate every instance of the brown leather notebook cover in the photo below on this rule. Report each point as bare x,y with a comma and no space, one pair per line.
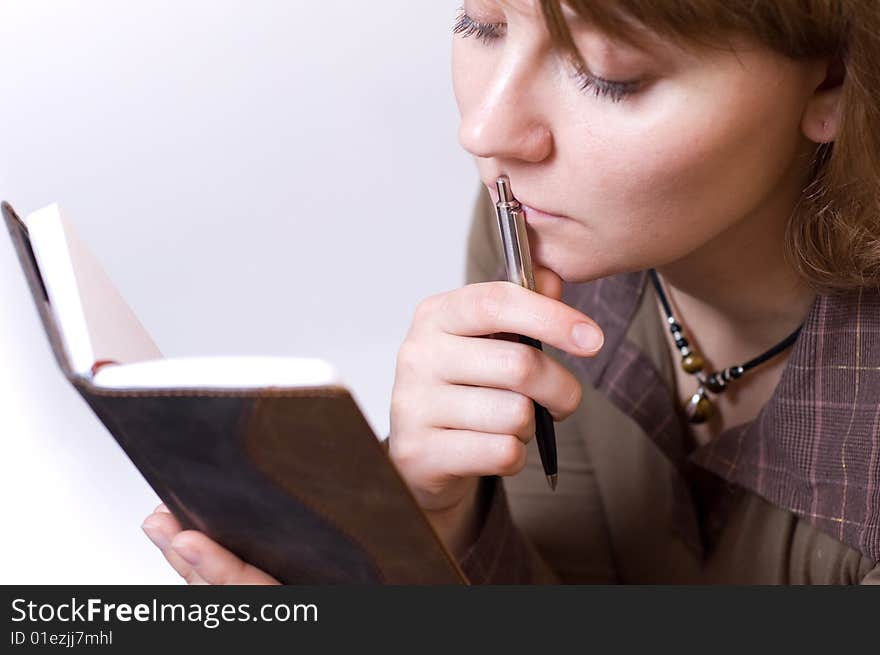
293,480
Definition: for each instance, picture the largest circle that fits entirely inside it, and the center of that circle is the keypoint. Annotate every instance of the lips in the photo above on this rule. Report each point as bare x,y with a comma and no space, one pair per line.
533,214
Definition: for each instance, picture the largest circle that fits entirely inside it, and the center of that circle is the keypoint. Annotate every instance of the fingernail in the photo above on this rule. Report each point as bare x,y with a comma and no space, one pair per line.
155,534
190,554
587,337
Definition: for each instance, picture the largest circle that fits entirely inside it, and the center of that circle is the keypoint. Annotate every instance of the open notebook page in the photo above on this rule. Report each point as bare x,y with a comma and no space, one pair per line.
96,324
219,372
94,320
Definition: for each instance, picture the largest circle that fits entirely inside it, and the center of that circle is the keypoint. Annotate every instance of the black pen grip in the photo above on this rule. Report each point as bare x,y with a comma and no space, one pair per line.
545,432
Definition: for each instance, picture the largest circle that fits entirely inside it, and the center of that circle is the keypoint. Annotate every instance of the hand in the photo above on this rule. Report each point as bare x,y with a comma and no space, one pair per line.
462,405
195,557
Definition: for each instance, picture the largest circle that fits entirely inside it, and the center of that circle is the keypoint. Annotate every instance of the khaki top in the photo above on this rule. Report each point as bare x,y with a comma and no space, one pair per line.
633,505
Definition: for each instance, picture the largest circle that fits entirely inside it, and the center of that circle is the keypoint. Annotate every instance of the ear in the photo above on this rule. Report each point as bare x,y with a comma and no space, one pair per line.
821,119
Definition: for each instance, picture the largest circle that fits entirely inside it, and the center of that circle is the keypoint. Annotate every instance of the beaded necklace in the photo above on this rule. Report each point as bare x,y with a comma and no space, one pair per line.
700,408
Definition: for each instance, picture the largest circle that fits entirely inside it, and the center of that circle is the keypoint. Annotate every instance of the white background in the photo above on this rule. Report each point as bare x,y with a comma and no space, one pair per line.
259,178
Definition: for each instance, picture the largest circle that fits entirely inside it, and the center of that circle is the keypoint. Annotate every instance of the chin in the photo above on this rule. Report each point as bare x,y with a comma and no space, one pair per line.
579,271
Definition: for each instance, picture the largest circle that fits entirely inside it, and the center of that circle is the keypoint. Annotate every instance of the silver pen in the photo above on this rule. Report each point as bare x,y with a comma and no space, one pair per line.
518,259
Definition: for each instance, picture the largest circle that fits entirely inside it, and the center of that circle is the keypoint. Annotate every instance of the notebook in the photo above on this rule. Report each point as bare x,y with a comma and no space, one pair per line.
269,456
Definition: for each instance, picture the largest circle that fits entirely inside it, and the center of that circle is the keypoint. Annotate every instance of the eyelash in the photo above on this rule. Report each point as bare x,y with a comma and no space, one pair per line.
614,91
467,26
587,82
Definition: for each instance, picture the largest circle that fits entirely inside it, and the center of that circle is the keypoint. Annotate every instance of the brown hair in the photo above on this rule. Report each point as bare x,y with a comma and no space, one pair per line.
833,236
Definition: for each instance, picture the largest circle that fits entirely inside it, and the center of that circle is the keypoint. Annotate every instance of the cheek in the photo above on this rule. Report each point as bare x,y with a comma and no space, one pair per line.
668,177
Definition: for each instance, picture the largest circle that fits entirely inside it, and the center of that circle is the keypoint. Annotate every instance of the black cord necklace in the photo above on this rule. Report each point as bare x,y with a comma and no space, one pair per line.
699,408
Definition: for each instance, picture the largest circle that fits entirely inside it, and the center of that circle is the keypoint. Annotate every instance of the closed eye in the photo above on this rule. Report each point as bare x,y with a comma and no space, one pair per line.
465,26
485,32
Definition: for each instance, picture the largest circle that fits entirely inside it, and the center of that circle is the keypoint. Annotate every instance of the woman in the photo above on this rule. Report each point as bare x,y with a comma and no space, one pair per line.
702,185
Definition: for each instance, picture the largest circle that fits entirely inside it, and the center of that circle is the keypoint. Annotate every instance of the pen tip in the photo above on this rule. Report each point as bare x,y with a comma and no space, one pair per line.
503,185
551,480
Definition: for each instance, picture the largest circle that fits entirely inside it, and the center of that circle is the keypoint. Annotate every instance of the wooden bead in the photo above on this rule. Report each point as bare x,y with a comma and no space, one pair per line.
692,363
715,385
699,409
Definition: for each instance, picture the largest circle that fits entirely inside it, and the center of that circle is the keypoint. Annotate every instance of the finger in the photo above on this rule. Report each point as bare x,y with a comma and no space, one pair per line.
462,453
547,283
503,364
488,307
167,520
215,564
162,508
481,409
161,527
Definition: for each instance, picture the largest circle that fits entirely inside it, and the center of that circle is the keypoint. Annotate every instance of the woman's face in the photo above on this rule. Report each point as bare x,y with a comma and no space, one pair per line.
706,141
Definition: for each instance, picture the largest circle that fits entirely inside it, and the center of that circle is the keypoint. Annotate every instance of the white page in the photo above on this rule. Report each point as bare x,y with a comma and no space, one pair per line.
219,372
94,320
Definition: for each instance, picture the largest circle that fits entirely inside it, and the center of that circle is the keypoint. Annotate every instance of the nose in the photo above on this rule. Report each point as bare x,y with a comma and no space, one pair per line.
504,121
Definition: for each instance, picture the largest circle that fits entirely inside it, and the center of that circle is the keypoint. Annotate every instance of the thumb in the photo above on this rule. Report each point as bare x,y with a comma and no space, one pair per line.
547,282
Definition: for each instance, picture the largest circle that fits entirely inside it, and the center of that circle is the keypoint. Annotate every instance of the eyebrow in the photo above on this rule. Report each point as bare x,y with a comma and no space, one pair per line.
647,41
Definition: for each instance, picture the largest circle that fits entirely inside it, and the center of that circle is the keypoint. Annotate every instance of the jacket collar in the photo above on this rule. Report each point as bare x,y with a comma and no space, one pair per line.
814,447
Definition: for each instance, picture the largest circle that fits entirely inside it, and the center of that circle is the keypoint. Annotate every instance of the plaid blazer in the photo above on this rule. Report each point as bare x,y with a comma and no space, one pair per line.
814,447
